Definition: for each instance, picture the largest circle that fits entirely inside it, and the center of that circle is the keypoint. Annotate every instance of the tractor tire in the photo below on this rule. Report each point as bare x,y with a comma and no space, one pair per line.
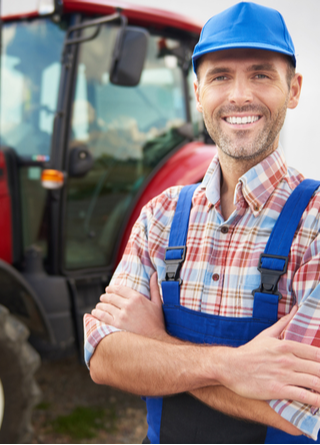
19,392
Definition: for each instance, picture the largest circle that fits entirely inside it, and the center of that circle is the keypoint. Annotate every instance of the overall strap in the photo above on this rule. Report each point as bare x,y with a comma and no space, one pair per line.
176,251
274,260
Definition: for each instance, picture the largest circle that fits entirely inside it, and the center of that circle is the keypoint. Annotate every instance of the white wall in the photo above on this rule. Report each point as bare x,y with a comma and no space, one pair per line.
300,136
11,7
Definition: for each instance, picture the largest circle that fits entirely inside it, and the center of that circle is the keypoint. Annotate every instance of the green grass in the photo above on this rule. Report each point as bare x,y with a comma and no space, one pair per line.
43,406
85,422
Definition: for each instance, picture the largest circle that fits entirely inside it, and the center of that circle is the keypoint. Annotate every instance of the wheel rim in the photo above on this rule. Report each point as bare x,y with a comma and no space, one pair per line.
1,403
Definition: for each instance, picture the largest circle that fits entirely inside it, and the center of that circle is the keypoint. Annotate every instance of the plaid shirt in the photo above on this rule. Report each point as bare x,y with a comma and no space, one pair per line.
220,270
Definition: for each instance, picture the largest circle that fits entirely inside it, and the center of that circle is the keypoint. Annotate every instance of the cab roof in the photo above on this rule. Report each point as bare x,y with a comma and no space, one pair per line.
138,14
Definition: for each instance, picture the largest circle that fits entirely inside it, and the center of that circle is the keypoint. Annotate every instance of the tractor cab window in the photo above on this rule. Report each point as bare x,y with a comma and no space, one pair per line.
128,132
29,82
30,74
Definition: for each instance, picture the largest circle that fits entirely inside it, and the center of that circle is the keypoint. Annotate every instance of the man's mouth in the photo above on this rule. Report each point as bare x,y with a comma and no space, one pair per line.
241,120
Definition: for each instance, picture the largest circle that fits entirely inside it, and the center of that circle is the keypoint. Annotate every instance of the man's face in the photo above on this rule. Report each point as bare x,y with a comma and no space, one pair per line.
244,95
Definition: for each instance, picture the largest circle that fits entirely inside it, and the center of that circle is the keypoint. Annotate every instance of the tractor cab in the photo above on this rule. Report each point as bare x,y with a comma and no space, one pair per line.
106,138
97,116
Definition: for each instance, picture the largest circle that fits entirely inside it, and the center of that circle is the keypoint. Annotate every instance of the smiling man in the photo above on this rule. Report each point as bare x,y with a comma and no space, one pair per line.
214,354
244,95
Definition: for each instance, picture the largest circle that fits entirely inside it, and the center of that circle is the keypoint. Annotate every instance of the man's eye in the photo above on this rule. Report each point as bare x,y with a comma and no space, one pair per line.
261,76
219,78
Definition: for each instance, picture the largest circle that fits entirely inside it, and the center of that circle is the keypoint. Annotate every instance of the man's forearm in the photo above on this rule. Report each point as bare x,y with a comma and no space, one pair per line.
226,401
129,362
149,367
264,368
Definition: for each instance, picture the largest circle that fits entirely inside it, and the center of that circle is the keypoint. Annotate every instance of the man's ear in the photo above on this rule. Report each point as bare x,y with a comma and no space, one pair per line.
295,91
196,87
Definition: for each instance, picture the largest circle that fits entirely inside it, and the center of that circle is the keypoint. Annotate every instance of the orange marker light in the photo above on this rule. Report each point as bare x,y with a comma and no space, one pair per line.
52,179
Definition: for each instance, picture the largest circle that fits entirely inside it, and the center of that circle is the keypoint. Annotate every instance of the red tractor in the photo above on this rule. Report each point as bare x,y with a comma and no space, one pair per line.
96,118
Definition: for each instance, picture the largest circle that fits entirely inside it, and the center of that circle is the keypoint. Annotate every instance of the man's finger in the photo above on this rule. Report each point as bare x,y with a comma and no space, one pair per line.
277,329
154,290
301,395
113,299
122,291
305,381
305,352
103,316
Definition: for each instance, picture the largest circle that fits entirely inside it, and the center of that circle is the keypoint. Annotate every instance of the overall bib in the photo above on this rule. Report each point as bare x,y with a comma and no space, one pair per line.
181,418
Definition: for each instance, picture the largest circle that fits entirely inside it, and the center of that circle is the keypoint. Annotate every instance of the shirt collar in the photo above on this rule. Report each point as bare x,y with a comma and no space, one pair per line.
211,182
255,186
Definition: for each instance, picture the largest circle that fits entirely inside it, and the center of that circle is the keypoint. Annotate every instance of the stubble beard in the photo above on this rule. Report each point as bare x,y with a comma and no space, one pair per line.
246,150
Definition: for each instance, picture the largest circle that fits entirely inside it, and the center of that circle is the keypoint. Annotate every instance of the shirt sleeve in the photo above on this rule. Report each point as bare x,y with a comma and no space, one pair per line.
134,271
304,328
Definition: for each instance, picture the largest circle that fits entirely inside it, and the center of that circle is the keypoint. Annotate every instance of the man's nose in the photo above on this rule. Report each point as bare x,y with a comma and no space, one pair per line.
240,92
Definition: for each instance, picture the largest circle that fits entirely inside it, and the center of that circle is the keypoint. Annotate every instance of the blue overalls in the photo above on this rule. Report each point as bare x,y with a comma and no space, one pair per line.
182,418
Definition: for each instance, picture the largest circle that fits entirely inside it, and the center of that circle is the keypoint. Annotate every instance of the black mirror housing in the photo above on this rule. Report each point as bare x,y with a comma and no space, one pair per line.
129,56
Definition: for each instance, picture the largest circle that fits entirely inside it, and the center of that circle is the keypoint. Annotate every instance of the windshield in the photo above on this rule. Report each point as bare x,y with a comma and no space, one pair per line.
126,123
29,85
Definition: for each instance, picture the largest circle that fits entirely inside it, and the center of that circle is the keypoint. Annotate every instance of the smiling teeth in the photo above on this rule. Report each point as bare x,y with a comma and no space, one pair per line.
242,120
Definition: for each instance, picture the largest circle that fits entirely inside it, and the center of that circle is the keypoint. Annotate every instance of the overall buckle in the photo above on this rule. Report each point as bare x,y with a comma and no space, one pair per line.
173,266
270,277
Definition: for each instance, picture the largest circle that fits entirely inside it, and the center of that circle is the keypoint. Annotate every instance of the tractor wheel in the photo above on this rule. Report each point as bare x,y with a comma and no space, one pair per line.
18,389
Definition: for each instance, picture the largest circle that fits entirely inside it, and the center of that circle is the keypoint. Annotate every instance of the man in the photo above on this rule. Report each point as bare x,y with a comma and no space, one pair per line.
246,80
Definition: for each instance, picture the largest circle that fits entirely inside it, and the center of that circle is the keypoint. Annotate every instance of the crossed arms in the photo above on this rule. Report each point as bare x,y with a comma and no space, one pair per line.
144,359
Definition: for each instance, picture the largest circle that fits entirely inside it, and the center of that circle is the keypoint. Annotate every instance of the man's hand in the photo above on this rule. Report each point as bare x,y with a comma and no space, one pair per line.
131,311
274,369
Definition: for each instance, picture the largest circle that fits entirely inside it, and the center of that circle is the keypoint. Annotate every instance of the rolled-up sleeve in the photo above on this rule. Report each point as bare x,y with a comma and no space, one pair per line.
149,234
94,332
133,271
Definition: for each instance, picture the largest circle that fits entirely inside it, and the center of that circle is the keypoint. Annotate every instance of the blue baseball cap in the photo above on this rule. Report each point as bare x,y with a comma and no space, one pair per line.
245,25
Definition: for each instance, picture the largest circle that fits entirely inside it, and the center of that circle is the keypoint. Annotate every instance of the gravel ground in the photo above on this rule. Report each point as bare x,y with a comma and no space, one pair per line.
66,386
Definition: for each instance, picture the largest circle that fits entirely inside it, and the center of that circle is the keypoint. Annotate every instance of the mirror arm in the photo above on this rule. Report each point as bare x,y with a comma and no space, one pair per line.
89,24
119,40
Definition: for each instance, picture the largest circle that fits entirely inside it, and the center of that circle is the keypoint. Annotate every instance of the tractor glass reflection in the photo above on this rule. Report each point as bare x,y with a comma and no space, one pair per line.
128,131
30,75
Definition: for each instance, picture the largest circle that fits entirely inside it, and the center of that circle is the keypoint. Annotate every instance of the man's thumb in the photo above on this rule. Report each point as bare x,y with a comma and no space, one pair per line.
277,329
154,290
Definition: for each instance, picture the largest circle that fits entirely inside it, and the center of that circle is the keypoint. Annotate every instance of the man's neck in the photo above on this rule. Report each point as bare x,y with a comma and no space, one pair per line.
231,171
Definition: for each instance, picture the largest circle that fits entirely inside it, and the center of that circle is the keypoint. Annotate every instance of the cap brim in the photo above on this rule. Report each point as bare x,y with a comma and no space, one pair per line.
239,45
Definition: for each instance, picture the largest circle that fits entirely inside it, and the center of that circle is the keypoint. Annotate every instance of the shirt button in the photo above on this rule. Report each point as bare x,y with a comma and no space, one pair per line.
215,277
256,207
224,229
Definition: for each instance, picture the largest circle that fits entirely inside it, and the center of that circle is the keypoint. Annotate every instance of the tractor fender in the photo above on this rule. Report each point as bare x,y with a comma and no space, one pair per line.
22,301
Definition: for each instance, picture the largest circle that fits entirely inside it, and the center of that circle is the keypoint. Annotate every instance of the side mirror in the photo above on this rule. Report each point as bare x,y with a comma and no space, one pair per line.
129,56
80,162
